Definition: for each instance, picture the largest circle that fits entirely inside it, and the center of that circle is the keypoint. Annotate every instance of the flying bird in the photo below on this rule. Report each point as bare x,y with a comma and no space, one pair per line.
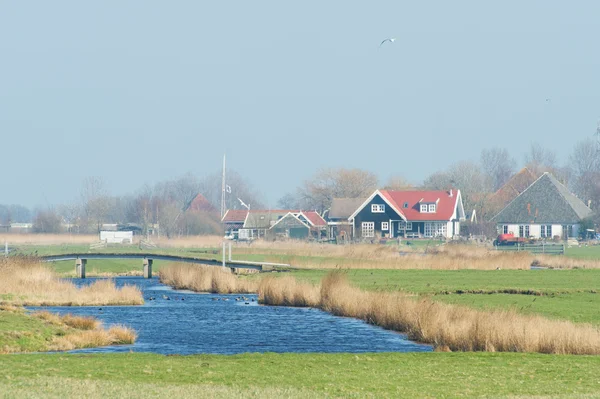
391,40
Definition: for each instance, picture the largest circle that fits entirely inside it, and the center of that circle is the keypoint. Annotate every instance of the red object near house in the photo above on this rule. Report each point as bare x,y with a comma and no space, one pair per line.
509,239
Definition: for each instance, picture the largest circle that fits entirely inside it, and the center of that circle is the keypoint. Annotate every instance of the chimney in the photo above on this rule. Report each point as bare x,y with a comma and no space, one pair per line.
450,193
589,203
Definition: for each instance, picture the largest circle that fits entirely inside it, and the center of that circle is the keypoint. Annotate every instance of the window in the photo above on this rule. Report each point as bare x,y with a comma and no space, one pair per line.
435,229
377,208
405,205
521,231
427,208
526,230
505,229
368,229
385,226
403,225
546,231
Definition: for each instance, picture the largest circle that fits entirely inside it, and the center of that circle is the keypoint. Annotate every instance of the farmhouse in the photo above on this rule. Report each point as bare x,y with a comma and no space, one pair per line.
409,214
546,209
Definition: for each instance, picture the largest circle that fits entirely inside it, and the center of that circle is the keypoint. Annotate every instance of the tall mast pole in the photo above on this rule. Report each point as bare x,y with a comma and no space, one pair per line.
223,190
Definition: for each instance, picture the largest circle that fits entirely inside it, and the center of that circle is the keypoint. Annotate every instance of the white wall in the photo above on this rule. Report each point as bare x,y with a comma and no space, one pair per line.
117,237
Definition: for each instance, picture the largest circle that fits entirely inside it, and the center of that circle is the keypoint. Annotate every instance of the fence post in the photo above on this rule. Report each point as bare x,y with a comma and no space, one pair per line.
230,251
5,248
223,253
543,247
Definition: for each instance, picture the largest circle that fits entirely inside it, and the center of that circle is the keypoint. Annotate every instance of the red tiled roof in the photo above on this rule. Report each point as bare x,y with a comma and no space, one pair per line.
444,209
314,218
235,215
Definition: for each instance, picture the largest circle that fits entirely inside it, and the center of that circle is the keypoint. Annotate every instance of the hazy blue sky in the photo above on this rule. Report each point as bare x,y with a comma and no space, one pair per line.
141,91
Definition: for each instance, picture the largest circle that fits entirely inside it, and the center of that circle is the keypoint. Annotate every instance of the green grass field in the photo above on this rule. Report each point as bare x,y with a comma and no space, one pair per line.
393,375
25,333
566,294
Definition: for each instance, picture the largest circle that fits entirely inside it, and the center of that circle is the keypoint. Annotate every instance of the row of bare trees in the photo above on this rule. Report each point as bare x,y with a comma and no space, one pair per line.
166,204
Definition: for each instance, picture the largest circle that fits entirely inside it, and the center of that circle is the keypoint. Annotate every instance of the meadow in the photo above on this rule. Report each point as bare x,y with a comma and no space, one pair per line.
554,295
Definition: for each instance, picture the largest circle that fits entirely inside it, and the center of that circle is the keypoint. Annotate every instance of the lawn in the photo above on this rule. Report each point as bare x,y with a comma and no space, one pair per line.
22,332
434,375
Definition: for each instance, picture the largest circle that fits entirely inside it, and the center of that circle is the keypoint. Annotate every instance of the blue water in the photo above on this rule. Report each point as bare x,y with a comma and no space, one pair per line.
190,323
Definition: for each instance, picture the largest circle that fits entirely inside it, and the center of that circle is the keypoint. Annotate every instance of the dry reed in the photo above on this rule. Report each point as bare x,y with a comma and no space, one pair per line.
448,327
205,279
26,281
563,262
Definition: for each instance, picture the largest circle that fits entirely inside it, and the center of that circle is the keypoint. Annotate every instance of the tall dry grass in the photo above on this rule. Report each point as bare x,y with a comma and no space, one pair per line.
446,327
205,279
563,262
26,281
48,239
365,256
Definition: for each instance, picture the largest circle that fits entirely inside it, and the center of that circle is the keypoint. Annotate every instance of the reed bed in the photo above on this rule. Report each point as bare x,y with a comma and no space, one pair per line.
563,262
116,335
205,279
378,256
48,239
446,327
26,281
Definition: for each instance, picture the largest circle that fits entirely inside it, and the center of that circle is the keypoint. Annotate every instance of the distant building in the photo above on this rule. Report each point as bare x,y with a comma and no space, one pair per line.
545,209
390,214
340,228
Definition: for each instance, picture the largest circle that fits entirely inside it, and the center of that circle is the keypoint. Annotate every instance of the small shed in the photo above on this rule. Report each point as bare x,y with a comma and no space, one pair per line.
290,226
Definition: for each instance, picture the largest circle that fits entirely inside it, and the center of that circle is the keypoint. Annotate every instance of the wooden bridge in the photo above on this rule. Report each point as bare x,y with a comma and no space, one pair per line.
147,260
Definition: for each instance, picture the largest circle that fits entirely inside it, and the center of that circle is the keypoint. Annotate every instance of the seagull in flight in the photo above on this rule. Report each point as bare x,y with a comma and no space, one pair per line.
391,40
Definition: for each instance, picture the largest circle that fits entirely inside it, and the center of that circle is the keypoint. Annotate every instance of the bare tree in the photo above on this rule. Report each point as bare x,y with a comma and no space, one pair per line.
398,183
318,192
95,200
540,159
288,201
464,175
497,166
238,187
585,164
47,221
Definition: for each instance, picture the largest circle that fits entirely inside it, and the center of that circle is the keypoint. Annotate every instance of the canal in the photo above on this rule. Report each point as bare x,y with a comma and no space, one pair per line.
183,322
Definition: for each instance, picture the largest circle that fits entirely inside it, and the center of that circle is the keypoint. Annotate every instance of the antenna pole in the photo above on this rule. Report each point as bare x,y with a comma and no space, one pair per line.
223,190
597,134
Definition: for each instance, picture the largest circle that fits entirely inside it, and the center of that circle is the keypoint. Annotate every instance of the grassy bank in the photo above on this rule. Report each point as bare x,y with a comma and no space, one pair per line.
302,375
44,331
28,282
447,327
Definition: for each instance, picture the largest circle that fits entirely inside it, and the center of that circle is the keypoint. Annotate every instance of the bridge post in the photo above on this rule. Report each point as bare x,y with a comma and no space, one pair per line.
80,267
230,251
147,268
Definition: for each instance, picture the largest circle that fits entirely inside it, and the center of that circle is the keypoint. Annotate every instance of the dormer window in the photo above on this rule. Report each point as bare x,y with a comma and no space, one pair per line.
428,208
405,205
377,208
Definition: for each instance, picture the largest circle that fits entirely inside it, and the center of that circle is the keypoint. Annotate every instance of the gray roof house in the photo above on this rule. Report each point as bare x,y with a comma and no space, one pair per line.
545,209
337,218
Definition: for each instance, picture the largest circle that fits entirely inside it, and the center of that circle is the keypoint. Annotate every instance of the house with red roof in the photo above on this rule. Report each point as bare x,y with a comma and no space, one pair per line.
409,214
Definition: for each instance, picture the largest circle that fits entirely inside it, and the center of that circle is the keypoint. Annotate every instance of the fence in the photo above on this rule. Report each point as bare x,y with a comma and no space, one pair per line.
548,249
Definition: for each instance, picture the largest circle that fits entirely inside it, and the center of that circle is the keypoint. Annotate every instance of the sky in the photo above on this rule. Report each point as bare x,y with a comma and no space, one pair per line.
137,92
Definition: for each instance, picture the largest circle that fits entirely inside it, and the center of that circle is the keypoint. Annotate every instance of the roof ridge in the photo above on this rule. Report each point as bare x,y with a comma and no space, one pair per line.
514,199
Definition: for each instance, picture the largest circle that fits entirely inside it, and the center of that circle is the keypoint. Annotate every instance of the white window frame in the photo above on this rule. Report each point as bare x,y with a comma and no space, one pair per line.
403,225
385,226
367,229
546,231
423,208
435,229
377,208
431,208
